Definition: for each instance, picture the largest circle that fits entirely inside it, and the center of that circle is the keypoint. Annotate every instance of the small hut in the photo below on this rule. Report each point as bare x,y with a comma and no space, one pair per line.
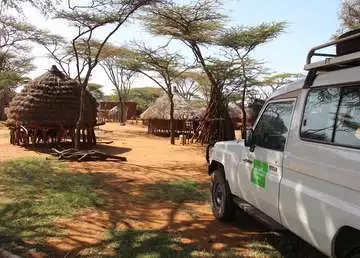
5,97
108,110
157,116
48,109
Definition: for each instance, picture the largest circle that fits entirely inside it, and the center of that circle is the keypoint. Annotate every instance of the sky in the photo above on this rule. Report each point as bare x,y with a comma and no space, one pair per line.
310,23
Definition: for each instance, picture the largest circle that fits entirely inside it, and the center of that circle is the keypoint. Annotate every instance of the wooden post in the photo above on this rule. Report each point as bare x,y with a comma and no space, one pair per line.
88,136
93,136
34,135
12,136
72,135
83,135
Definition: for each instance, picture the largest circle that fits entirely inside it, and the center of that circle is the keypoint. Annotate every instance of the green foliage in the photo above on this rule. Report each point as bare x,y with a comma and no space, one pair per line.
44,5
10,80
144,97
274,82
115,62
12,69
151,244
19,32
177,192
96,90
33,192
197,22
247,39
158,64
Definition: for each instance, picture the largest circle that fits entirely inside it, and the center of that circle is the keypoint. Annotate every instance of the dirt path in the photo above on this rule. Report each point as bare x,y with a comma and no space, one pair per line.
152,162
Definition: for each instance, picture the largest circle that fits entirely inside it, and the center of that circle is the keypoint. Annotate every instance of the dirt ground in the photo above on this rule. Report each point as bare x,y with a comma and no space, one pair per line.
151,160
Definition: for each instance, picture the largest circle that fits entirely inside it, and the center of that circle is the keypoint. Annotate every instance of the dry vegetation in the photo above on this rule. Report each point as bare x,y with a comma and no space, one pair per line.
154,205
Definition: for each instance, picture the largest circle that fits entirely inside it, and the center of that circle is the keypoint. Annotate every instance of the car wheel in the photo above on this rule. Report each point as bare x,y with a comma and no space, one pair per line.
222,203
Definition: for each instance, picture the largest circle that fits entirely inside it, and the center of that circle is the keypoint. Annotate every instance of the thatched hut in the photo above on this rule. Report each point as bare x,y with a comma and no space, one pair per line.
5,97
157,116
48,109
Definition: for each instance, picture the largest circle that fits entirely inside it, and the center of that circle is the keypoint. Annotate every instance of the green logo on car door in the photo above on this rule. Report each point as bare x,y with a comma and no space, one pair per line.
258,173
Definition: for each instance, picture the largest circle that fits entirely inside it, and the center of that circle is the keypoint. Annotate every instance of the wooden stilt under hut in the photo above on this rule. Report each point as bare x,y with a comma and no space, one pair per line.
47,110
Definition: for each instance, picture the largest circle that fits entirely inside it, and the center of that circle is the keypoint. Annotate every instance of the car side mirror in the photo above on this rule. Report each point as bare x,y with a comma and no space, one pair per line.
249,139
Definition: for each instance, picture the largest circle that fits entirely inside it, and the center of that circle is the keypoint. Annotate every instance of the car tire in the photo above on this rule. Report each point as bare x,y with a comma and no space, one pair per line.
222,203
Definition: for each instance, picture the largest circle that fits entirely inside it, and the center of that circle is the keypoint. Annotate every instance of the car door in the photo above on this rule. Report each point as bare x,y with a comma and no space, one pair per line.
264,161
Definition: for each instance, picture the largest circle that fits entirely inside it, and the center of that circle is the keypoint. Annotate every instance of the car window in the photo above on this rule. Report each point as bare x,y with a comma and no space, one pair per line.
347,130
272,129
320,114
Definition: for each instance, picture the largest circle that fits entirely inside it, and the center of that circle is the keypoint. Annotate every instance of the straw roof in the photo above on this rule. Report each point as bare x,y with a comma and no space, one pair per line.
161,109
51,100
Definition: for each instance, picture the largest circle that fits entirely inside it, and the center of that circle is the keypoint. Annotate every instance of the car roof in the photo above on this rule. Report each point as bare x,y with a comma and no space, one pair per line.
343,76
288,88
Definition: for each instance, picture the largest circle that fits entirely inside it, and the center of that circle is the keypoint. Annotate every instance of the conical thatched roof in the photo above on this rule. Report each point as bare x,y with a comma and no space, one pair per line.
51,100
161,109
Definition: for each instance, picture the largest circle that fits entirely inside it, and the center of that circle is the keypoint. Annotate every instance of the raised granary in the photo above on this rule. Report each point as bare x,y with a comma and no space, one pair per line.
47,109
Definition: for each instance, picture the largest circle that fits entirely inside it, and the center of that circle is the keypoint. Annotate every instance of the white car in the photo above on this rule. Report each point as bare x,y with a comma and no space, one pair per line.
300,163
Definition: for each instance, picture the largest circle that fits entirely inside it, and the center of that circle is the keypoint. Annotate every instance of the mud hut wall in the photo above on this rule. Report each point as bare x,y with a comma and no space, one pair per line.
131,109
106,106
156,126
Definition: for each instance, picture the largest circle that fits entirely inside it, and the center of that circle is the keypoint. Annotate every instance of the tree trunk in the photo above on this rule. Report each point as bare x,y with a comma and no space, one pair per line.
217,124
121,108
81,117
244,117
172,129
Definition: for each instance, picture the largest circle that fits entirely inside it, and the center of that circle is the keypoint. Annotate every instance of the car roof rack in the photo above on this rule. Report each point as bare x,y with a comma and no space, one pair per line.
332,61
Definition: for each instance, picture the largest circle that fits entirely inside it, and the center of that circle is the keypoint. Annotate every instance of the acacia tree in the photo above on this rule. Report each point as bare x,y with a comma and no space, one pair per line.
88,19
187,84
61,52
44,5
196,25
161,67
350,14
14,59
274,82
239,43
114,61
96,90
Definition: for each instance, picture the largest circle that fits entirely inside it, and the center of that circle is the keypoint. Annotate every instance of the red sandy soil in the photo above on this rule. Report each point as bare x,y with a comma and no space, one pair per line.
151,159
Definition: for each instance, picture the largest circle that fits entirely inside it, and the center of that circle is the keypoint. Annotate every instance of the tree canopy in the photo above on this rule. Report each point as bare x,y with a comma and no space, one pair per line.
350,14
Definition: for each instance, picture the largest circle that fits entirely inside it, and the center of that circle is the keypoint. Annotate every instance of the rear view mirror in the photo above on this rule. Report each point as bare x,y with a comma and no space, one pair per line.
249,138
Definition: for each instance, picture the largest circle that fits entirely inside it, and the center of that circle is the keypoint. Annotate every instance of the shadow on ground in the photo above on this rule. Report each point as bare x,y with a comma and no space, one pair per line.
142,218
46,148
167,219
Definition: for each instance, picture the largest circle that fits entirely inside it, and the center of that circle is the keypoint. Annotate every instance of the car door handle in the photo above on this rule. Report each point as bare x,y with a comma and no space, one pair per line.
248,161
